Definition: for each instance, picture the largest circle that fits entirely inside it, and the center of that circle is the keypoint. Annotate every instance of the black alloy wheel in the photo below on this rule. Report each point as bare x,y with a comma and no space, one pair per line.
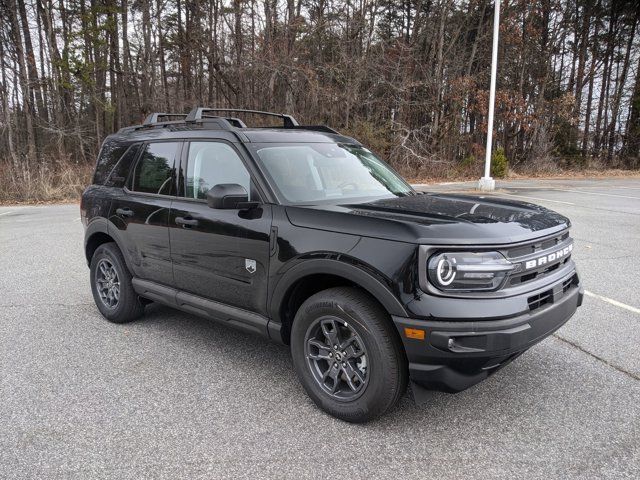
337,358
108,283
111,285
348,354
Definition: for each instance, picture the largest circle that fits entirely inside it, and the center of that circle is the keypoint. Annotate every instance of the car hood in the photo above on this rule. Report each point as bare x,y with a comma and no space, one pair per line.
435,219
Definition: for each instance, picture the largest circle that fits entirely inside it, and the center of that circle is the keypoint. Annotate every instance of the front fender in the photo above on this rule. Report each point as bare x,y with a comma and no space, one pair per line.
349,271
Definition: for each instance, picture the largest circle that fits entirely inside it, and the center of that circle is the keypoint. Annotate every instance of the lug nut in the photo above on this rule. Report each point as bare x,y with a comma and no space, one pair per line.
335,365
330,354
344,364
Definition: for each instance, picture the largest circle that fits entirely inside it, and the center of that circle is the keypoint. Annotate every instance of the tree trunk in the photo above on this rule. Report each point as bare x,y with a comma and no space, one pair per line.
631,150
621,81
24,83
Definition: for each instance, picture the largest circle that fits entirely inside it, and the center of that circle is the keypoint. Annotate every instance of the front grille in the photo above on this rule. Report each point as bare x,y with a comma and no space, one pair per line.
546,297
535,249
517,279
566,285
543,244
537,301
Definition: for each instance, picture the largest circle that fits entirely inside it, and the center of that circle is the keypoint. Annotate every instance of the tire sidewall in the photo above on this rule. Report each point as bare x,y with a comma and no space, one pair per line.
102,252
367,405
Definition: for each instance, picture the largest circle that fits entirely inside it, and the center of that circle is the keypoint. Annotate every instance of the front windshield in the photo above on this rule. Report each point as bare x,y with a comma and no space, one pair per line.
328,172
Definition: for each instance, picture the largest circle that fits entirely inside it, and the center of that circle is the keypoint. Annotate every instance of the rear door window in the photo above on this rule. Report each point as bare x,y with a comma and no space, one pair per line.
155,172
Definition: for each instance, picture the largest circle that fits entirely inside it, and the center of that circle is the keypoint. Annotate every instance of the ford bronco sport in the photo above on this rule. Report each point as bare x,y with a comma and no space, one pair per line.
305,237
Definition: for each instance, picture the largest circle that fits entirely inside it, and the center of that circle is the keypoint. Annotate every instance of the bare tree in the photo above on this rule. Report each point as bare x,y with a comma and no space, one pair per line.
409,77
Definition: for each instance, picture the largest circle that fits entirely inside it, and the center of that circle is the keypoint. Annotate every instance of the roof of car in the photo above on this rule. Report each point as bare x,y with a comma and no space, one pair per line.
244,135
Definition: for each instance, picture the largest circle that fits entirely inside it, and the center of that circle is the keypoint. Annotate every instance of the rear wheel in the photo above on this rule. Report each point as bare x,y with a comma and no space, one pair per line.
347,354
111,285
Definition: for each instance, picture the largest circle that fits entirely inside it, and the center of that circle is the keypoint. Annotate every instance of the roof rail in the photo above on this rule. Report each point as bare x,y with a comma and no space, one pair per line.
198,113
152,118
217,123
316,128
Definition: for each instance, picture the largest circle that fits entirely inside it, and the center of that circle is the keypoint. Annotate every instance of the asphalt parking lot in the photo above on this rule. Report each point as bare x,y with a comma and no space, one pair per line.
176,396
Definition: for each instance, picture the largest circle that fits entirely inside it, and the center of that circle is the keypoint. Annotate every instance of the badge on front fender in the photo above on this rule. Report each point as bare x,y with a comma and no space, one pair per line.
250,265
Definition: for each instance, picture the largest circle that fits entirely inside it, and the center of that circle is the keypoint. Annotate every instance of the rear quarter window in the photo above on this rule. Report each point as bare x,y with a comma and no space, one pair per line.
120,172
110,154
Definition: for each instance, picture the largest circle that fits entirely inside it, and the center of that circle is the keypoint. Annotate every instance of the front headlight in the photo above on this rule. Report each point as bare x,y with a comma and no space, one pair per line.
464,271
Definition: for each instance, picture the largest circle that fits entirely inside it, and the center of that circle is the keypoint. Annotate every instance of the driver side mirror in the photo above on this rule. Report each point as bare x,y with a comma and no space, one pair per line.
229,196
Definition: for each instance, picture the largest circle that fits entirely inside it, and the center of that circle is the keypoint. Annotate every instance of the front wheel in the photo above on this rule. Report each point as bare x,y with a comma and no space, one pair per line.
347,354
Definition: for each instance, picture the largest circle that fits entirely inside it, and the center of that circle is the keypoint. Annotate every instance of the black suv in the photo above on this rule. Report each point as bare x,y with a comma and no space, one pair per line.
305,237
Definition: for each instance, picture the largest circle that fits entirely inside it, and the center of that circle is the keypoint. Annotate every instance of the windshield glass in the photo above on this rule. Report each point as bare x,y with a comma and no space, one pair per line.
328,172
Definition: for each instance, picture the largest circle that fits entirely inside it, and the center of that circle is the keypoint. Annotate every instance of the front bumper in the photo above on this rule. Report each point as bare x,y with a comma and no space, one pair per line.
454,355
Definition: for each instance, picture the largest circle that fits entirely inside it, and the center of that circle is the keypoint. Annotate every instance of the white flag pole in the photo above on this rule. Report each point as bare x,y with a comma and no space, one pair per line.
487,183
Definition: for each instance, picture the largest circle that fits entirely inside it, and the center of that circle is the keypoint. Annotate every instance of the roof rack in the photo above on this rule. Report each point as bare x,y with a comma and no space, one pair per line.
152,118
200,113
152,122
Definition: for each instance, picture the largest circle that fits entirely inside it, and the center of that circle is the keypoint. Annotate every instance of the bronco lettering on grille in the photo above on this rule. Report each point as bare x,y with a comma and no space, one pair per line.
557,255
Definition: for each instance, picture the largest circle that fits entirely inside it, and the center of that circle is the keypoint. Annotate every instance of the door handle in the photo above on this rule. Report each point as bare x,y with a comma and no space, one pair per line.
186,221
124,212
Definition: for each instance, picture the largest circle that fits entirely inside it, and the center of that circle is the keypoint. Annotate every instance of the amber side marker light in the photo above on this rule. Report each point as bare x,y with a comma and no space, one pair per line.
414,333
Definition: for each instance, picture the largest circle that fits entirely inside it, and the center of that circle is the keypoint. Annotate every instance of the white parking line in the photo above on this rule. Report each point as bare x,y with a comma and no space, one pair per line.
613,302
418,185
537,198
602,186
618,186
596,193
6,213
576,191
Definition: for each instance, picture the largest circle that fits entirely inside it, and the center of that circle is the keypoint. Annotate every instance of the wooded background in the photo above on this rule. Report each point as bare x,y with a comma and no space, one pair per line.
409,78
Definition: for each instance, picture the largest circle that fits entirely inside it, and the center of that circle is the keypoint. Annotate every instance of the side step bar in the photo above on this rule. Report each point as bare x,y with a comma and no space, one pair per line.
236,317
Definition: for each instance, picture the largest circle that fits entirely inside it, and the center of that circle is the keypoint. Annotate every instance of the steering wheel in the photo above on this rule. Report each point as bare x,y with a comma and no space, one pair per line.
346,184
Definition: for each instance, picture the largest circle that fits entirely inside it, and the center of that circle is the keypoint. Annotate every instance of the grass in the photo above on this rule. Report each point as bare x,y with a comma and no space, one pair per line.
43,182
58,181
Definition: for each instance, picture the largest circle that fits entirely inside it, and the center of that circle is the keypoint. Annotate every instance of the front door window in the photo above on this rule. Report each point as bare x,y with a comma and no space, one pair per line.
213,163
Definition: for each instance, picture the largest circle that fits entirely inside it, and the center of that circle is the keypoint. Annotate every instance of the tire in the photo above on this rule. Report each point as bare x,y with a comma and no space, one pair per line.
356,315
128,306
